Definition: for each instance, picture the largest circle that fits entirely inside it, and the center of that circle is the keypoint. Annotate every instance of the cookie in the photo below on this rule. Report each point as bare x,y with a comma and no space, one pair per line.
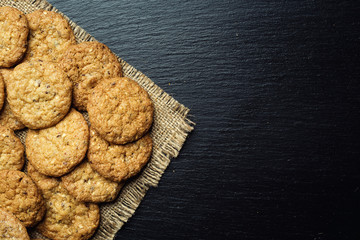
13,36
65,218
86,64
50,36
118,162
120,110
39,94
11,227
20,195
86,185
56,150
11,150
2,91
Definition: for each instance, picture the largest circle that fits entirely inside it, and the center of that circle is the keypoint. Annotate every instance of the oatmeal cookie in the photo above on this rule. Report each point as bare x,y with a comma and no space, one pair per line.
120,110
50,35
39,94
20,195
118,162
14,32
86,64
86,185
56,150
11,150
65,218
11,227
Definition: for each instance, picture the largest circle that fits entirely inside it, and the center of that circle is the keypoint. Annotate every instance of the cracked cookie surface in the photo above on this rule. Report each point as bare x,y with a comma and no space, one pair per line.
50,35
86,64
39,94
13,36
65,218
11,227
20,196
120,110
86,185
118,162
11,150
56,150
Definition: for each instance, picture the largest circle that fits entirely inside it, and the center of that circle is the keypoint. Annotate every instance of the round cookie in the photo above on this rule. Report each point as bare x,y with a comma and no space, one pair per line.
20,195
11,227
50,36
120,110
11,150
118,162
56,150
86,64
39,94
86,185
2,91
13,36
65,218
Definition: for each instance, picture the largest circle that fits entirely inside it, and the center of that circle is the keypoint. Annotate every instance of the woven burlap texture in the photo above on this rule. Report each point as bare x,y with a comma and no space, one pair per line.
170,129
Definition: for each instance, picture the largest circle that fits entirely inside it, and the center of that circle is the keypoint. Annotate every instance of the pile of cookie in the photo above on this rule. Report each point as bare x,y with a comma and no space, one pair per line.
48,83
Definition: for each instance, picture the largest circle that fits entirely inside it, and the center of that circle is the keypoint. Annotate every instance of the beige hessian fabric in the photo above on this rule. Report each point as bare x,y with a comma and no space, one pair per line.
169,132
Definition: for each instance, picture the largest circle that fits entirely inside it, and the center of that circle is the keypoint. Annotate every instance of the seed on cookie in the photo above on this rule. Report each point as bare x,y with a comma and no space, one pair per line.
13,36
120,110
39,94
20,196
65,218
86,64
50,35
86,185
56,150
11,150
118,162
11,227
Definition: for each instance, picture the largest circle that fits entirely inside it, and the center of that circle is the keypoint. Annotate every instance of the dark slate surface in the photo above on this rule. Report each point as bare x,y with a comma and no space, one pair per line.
274,89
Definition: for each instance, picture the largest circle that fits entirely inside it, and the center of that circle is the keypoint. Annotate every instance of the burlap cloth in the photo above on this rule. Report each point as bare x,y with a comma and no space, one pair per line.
170,129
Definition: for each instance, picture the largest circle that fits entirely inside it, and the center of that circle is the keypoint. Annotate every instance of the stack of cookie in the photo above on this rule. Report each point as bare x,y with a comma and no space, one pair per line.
48,83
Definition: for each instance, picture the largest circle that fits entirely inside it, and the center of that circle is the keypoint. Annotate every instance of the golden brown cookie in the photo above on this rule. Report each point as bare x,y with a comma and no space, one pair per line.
11,227
11,150
39,94
118,162
50,36
13,36
86,64
20,195
65,218
120,110
56,150
2,91
86,185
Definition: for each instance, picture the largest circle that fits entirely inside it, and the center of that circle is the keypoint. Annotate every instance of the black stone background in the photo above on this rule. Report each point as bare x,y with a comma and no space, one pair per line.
273,87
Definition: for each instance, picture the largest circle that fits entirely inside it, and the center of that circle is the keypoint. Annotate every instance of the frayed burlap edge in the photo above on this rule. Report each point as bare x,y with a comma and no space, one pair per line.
169,132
